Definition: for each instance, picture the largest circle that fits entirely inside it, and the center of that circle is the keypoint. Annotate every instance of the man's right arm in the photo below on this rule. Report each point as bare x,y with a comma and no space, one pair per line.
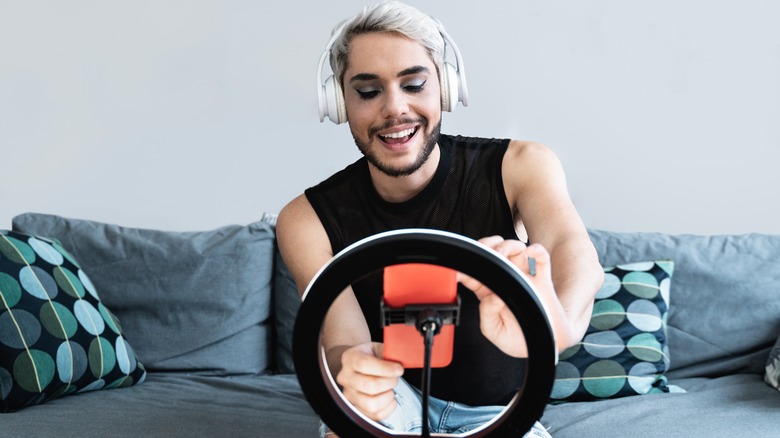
366,380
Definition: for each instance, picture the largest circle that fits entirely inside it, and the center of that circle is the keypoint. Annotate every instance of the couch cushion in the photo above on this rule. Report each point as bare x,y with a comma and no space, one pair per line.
175,405
56,336
725,311
739,405
772,374
624,351
196,302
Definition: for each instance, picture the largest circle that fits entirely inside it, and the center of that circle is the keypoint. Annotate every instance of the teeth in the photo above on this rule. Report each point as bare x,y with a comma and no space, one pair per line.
400,134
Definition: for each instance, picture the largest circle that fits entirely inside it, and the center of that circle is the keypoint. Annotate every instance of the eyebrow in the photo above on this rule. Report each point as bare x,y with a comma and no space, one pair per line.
417,69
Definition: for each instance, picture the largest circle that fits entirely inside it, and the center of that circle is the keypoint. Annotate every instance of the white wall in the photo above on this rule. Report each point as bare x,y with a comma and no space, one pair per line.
189,115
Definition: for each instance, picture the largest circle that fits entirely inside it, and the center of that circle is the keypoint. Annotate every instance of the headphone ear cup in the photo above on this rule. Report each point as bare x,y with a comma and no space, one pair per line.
334,101
449,87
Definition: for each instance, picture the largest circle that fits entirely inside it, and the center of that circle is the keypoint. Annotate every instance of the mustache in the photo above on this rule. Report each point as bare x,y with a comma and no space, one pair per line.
404,121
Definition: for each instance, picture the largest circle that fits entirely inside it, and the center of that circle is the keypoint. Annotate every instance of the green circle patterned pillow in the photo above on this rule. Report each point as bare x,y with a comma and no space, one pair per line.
624,351
56,337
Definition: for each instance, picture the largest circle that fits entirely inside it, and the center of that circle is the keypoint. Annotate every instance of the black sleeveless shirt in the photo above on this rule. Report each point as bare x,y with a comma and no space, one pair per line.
465,196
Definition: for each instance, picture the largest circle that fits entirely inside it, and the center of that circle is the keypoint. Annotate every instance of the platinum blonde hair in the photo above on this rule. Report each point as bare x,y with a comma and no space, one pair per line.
388,16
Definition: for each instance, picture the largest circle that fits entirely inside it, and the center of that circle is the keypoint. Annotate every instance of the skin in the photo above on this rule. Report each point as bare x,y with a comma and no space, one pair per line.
390,87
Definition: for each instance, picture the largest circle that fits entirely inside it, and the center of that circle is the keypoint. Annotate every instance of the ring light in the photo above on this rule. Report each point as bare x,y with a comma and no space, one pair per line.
433,247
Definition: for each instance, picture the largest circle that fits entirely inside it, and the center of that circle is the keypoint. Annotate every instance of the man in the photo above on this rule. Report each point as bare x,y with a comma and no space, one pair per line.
388,64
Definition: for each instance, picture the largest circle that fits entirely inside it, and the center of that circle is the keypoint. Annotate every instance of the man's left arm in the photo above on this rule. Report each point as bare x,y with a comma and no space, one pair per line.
536,188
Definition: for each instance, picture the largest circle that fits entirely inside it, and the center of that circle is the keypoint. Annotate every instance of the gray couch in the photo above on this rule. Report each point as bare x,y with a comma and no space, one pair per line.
723,321
209,315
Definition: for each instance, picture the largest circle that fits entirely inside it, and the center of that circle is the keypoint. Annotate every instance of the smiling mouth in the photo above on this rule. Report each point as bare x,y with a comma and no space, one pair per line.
398,137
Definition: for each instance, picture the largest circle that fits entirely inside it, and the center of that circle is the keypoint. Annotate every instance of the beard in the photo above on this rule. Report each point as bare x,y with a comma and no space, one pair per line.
429,142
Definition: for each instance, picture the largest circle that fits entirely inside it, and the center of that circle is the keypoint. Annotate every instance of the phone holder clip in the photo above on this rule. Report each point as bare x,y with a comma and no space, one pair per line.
410,314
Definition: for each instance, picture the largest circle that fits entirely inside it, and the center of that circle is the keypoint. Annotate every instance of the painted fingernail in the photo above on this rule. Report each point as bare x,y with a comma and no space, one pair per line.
532,266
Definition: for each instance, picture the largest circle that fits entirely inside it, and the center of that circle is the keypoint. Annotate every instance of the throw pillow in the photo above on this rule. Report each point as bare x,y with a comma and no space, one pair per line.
191,301
725,289
772,375
624,351
56,336
286,302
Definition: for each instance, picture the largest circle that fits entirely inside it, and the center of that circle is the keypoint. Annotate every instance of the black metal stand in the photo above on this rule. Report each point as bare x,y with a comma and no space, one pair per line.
429,324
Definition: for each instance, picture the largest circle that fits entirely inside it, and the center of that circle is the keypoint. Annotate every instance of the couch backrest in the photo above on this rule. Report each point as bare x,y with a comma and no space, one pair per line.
725,296
724,313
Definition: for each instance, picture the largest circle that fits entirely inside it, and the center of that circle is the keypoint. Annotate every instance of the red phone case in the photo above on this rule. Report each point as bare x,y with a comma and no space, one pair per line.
418,283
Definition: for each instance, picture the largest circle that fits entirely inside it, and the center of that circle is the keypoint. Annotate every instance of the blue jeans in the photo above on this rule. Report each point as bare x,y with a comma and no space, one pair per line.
443,416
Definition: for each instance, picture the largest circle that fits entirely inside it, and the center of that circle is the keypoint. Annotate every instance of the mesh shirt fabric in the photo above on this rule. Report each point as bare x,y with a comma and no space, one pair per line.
465,196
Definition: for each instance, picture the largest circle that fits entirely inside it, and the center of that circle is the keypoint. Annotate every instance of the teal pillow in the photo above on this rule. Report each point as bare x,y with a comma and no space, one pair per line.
772,375
624,351
56,336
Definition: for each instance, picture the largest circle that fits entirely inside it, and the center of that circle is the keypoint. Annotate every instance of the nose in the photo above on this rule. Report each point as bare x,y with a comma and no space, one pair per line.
395,104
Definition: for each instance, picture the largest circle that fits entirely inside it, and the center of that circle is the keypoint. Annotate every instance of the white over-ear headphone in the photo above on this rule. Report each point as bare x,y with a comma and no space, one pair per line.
331,97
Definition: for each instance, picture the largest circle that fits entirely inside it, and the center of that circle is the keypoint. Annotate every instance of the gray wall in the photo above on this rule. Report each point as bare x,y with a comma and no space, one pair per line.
189,115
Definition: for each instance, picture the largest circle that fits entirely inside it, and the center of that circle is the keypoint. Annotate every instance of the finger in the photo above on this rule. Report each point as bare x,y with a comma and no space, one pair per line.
534,258
368,385
468,281
491,319
500,326
491,241
371,395
491,305
371,365
509,248
479,289
503,246
371,388
366,373
376,406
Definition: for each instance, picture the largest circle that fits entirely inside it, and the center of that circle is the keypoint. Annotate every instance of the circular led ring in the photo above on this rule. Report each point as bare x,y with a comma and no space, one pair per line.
438,248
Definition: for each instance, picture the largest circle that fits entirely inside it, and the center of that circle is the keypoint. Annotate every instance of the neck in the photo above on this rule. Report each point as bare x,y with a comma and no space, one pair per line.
403,188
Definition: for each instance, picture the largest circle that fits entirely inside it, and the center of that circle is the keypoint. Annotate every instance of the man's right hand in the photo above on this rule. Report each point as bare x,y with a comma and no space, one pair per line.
367,380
